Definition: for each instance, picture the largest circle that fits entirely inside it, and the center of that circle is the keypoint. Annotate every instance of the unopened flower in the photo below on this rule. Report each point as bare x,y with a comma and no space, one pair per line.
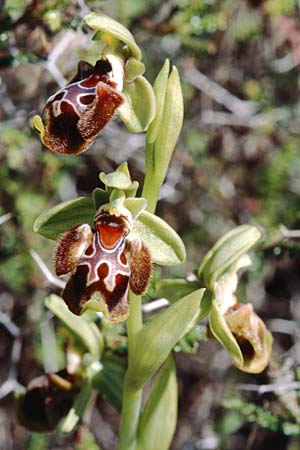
76,114
103,263
252,336
249,331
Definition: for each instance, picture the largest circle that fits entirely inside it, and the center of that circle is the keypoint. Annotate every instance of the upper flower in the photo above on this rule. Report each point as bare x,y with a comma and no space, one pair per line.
76,114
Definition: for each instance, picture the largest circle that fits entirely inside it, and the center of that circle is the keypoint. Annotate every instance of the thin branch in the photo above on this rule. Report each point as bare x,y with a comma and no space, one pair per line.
290,234
155,305
5,218
200,81
264,388
52,280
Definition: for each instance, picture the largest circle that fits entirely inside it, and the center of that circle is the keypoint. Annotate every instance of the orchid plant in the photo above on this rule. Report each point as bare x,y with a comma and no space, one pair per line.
107,245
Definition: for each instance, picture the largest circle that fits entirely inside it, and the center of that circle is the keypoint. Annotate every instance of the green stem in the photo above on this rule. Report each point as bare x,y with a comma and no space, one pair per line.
132,399
150,192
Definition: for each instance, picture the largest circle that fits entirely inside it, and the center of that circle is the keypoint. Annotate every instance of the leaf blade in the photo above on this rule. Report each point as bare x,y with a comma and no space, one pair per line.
158,421
153,343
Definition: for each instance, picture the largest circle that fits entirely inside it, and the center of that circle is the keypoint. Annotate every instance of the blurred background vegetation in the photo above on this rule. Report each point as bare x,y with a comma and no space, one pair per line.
237,162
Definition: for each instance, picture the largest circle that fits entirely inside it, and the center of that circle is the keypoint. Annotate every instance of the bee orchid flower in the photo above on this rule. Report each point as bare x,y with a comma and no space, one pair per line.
77,113
103,263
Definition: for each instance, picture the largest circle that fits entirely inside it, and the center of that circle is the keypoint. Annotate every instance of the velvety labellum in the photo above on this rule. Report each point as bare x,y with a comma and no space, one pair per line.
76,114
103,263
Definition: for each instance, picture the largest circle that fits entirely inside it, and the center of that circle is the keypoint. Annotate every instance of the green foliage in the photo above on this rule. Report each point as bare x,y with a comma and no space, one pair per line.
153,343
158,420
262,417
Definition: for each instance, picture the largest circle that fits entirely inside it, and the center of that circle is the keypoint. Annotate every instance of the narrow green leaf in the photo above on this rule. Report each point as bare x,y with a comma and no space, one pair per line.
153,343
221,332
57,220
86,330
107,26
166,247
174,288
133,68
159,88
109,381
227,251
158,421
138,110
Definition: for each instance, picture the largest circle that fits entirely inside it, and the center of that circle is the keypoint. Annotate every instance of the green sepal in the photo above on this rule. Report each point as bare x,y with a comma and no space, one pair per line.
174,288
153,343
55,221
133,68
86,330
226,252
108,27
138,110
164,244
100,197
158,421
222,333
159,88
109,381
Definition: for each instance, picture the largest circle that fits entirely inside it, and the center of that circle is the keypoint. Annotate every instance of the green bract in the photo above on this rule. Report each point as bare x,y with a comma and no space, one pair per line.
110,30
158,421
163,133
153,343
226,252
173,289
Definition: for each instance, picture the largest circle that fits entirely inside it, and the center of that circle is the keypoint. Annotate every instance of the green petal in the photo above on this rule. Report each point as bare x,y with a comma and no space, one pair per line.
107,26
158,421
221,332
164,244
133,68
55,221
135,205
138,110
152,345
226,252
